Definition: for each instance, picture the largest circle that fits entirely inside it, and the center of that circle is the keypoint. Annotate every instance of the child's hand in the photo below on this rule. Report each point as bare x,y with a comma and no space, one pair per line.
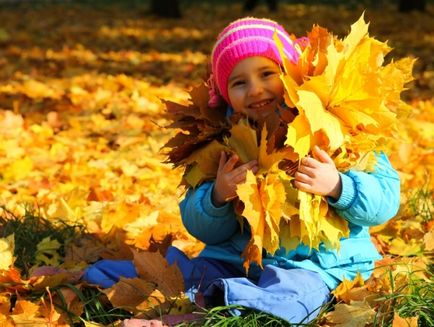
319,175
228,177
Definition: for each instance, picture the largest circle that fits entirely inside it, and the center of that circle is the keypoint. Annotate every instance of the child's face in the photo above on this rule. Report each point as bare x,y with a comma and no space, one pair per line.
254,87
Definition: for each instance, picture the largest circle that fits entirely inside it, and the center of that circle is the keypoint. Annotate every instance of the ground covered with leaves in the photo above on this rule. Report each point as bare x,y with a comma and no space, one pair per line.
82,176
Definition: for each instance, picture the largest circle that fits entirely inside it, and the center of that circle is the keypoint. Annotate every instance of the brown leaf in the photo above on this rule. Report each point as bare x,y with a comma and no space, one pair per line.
152,267
71,300
134,294
85,248
200,97
54,280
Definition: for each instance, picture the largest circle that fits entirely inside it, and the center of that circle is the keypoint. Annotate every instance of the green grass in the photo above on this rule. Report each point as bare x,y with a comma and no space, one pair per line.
96,307
222,317
29,230
421,203
415,298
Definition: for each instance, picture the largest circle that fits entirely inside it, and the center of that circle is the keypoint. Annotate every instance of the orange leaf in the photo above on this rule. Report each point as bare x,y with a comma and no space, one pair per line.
398,321
152,267
344,291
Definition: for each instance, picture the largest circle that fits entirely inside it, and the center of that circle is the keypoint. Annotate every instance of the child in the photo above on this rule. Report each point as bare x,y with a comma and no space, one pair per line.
294,285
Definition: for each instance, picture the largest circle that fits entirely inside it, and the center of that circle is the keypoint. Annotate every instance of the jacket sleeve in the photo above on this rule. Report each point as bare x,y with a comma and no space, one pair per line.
369,199
203,220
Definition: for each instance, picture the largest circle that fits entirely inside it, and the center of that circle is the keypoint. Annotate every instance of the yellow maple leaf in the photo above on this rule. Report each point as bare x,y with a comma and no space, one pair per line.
343,291
273,198
298,135
249,193
320,119
309,217
288,79
47,252
205,162
317,224
405,247
244,141
268,161
264,201
358,31
7,246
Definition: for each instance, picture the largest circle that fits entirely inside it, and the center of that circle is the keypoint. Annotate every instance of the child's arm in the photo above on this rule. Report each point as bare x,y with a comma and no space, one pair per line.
365,199
206,211
205,221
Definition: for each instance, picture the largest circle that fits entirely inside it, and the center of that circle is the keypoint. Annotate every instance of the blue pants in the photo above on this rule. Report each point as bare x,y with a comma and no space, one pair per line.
295,295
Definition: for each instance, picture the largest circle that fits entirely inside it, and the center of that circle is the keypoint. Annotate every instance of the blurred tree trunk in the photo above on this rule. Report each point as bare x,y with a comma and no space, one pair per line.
250,5
166,8
409,5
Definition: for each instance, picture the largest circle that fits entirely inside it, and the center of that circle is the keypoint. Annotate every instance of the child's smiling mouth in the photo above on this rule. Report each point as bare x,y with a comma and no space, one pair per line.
260,104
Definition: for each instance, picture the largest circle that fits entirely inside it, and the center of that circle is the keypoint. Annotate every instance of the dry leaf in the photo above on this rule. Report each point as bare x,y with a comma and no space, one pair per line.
357,314
398,321
152,267
134,294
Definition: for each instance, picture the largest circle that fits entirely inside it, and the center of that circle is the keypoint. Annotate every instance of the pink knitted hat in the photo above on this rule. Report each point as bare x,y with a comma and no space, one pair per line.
246,37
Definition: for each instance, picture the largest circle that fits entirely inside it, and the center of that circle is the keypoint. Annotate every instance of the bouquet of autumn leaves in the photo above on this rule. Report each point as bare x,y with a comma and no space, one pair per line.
339,96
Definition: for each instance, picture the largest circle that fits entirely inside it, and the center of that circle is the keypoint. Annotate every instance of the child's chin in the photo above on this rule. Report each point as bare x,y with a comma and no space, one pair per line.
260,114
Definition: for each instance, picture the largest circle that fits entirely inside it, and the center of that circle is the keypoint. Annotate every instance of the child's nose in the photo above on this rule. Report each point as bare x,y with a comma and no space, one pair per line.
255,89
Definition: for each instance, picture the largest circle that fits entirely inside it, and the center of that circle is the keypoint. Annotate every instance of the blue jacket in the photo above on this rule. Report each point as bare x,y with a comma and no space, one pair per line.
367,199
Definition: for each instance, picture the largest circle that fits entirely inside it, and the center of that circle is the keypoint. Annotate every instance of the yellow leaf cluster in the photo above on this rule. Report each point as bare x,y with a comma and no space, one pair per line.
277,213
347,100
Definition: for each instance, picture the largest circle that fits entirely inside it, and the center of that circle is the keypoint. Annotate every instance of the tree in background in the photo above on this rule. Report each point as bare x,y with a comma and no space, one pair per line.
409,5
166,8
249,5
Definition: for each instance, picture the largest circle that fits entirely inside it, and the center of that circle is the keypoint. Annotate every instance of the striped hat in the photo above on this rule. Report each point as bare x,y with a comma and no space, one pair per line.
243,38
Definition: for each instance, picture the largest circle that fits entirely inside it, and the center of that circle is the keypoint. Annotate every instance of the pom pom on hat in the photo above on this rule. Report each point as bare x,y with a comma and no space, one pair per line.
243,38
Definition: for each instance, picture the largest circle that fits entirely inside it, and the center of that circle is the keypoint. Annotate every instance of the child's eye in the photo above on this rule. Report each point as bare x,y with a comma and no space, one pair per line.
268,73
238,83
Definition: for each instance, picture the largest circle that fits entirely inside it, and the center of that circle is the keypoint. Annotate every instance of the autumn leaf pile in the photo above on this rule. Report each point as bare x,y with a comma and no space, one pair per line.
82,125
